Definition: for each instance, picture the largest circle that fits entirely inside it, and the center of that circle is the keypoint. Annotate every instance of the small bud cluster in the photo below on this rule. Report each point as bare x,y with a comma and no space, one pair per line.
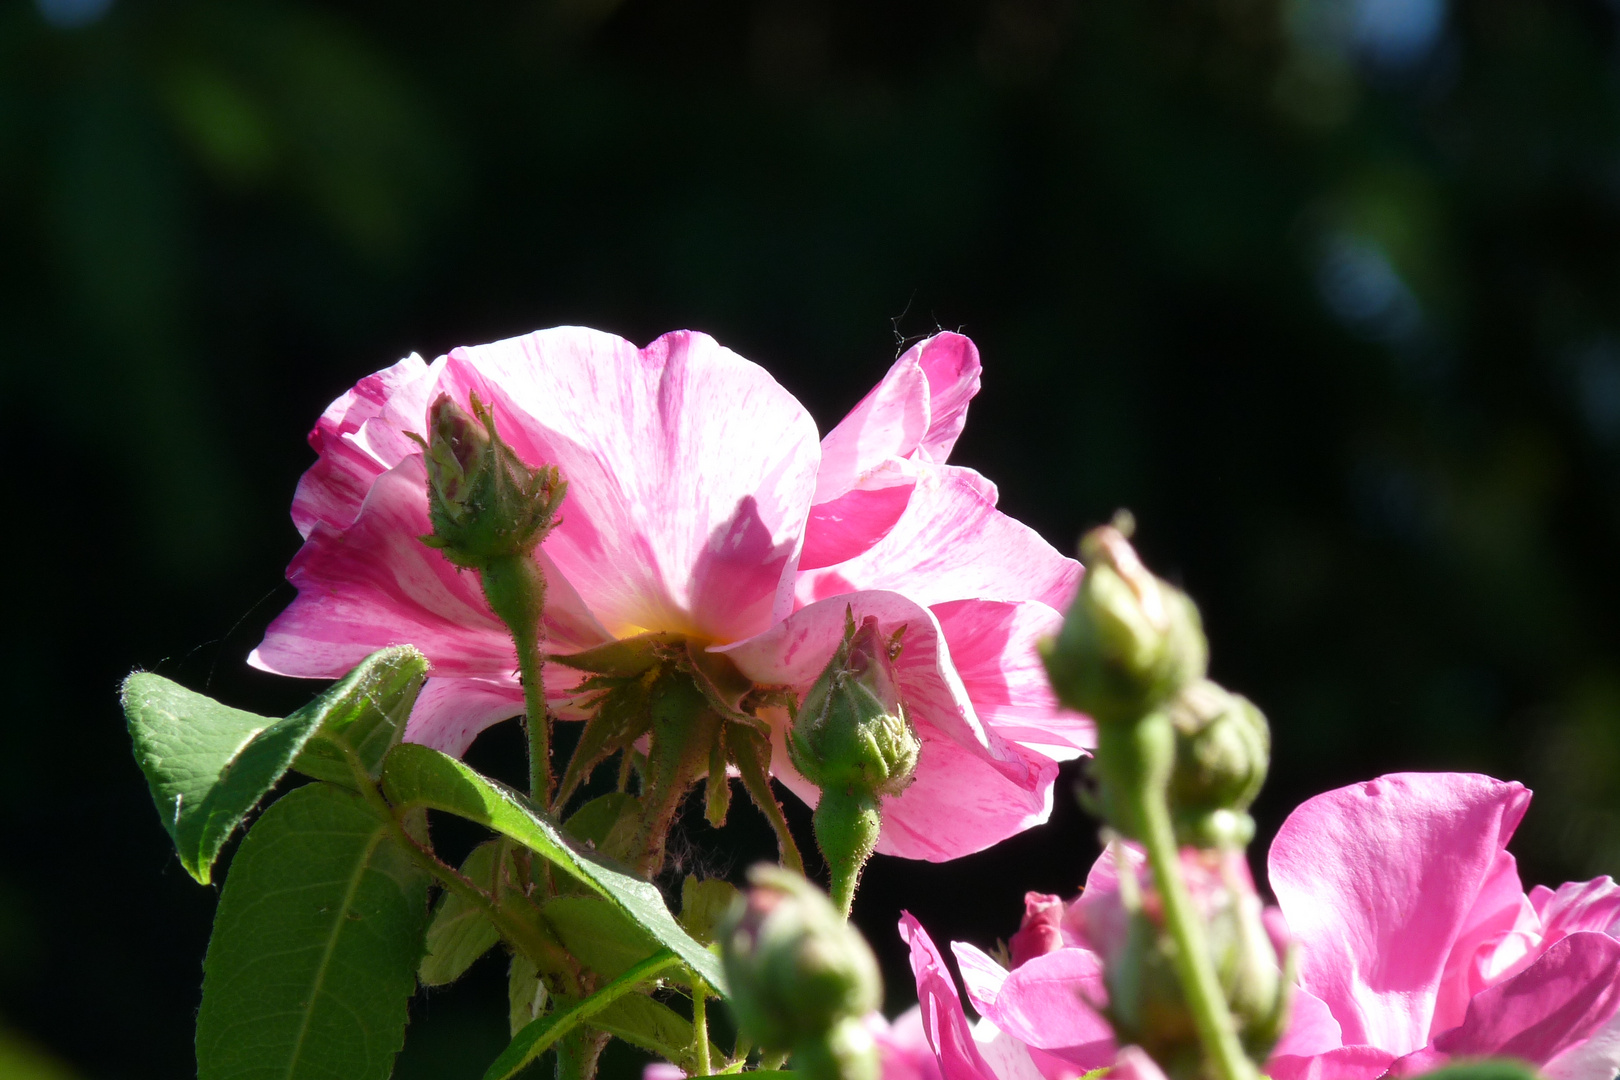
802,979
1178,762
1146,1003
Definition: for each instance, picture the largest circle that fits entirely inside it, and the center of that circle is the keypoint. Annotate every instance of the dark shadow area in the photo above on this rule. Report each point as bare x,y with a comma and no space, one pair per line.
1328,297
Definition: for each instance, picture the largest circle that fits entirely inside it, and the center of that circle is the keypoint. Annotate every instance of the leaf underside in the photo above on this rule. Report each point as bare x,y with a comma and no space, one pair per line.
313,957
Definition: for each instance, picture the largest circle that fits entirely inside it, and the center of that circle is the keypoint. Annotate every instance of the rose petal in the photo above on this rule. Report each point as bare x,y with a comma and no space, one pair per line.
690,472
1377,881
903,1048
1008,1058
842,528
943,1020
1578,905
1345,1063
359,437
1598,1058
1133,1063
1485,944
951,363
993,645
450,713
1311,1028
952,544
1043,1002
889,422
1556,1003
376,584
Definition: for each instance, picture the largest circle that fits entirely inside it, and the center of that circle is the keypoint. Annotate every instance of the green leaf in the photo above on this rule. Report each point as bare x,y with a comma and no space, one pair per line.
538,1036
313,956
654,1027
362,716
704,905
597,934
208,764
1486,1069
419,776
459,931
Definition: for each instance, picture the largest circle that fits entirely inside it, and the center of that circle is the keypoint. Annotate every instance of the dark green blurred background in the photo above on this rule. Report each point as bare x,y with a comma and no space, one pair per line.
1328,292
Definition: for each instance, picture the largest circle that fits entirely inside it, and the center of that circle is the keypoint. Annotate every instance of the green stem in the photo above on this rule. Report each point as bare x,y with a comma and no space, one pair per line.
1194,967
518,933
700,1025
516,591
543,1032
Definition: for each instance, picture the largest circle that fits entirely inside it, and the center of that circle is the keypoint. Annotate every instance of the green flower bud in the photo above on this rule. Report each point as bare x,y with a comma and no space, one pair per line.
484,502
1146,1003
797,970
851,739
851,732
1223,748
849,1052
1131,641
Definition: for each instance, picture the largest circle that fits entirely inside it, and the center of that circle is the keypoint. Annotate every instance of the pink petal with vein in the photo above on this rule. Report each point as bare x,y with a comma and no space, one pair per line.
943,1020
903,1050
890,422
376,584
953,544
1377,882
951,363
843,527
992,644
1559,1001
1578,905
450,713
1043,1002
359,437
1311,1028
690,472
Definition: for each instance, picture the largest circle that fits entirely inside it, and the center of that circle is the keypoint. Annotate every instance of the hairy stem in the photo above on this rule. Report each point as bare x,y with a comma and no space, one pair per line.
516,591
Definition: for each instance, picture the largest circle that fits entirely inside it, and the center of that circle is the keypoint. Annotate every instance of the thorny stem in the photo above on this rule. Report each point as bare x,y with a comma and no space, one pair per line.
1194,967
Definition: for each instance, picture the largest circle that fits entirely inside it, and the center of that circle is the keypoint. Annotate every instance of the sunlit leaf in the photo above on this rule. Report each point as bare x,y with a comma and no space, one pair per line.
419,776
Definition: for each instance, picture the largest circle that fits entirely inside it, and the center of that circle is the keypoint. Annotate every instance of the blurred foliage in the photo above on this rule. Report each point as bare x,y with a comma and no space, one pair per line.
1326,291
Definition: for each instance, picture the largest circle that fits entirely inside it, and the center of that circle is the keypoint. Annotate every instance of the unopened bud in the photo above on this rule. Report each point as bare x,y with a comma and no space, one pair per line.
1131,641
1146,1004
484,501
852,732
799,974
851,739
1223,748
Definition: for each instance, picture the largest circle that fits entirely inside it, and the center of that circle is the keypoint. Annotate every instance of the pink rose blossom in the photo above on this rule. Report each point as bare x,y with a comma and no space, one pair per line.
700,502
1416,944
